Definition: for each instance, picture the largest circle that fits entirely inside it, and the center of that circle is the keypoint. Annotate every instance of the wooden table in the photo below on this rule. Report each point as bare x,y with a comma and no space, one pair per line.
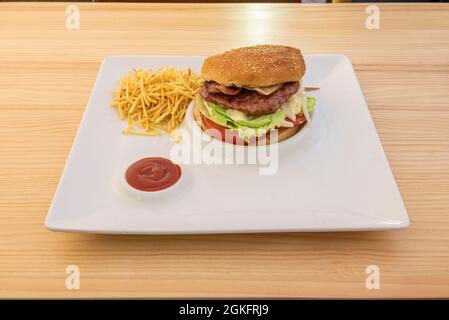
47,72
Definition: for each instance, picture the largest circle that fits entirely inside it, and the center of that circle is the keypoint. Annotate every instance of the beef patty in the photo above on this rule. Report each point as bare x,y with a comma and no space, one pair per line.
251,102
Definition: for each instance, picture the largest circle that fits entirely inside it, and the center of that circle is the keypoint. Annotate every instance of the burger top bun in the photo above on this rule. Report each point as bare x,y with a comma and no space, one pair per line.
257,66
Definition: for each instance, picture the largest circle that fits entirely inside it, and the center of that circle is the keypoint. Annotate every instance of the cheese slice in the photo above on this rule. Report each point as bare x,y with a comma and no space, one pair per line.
264,90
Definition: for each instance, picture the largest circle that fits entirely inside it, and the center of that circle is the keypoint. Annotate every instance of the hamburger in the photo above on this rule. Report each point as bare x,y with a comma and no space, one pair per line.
250,91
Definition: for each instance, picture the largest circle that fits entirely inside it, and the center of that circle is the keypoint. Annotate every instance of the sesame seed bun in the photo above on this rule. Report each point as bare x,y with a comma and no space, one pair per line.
258,66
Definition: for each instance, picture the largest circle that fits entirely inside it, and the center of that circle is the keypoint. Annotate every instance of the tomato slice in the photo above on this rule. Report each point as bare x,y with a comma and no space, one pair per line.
220,133
226,135
298,121
209,124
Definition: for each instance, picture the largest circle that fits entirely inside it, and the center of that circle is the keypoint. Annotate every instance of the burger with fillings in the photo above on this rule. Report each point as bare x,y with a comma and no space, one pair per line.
249,91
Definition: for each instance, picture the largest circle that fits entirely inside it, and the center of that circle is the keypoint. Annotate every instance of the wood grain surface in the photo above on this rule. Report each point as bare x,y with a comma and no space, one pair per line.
46,75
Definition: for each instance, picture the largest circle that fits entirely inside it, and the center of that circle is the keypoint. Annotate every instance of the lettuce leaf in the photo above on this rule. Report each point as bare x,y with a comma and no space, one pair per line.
311,101
253,125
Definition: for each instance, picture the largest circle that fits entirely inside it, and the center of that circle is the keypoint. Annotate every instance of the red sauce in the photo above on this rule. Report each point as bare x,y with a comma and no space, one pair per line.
152,174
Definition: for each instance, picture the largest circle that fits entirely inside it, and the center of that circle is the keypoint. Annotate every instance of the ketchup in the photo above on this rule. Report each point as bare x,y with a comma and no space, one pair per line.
152,174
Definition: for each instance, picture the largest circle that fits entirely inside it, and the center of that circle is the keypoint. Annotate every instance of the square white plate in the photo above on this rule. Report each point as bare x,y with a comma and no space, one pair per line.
333,176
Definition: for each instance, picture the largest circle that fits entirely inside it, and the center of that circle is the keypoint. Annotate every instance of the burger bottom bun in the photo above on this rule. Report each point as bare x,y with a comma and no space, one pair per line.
283,133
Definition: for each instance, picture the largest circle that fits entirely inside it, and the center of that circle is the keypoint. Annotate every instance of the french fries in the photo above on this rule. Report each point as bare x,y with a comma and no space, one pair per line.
155,102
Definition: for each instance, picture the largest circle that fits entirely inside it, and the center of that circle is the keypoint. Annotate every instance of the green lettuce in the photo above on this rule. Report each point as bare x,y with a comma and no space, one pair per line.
252,125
